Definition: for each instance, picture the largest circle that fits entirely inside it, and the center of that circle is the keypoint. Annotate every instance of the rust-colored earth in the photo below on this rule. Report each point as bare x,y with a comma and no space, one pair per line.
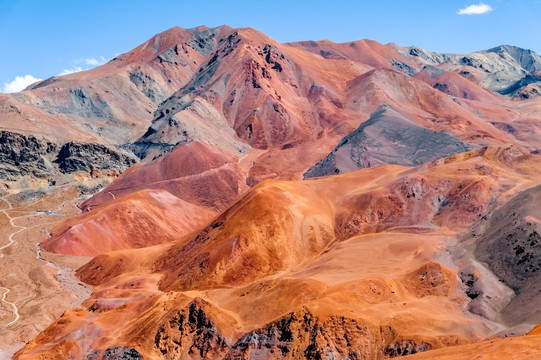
304,200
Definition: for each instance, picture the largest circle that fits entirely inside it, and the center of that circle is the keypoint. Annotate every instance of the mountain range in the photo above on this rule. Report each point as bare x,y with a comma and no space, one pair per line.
304,200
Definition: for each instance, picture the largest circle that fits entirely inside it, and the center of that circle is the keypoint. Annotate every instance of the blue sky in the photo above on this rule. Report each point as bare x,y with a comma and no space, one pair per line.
42,38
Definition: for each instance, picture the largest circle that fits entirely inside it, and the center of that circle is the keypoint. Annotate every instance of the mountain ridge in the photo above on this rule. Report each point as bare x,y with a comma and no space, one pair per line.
208,241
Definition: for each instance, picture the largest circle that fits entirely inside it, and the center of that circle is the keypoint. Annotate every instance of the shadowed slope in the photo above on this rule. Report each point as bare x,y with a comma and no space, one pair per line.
510,246
387,138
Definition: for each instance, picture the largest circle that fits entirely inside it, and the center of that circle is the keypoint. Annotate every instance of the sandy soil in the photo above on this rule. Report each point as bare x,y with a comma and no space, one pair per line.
35,287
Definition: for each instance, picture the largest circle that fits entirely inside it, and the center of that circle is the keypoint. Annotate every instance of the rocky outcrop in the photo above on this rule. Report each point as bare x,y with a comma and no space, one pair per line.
33,157
75,156
297,335
511,246
388,137
116,353
24,155
148,86
191,334
301,334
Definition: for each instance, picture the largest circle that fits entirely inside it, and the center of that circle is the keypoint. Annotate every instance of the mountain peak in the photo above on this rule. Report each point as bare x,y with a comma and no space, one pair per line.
527,58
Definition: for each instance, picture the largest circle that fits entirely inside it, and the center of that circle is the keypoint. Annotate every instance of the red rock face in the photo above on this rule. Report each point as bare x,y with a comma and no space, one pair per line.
214,247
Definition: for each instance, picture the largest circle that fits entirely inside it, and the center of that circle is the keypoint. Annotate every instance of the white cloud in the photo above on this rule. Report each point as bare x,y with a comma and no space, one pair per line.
71,71
475,9
95,62
19,84
91,61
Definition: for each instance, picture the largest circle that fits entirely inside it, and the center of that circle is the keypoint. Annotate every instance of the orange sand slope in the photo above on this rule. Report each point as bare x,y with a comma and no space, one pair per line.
517,348
364,264
198,173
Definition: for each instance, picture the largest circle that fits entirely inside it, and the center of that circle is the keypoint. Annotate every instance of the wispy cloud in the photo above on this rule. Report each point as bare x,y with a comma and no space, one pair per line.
88,64
19,84
71,71
95,62
475,9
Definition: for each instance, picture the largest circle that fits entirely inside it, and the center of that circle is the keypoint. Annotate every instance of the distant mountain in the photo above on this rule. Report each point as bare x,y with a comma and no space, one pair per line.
243,92
528,59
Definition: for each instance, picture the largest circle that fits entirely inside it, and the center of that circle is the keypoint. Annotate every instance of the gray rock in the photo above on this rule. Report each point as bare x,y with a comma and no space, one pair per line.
388,137
148,86
511,247
528,59
23,155
121,353
75,156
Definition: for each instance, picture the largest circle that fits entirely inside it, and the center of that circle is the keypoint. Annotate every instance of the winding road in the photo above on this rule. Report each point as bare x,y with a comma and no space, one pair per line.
10,243
15,309
64,274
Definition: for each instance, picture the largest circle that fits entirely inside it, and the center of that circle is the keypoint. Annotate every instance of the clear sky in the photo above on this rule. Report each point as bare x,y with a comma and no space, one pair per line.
42,38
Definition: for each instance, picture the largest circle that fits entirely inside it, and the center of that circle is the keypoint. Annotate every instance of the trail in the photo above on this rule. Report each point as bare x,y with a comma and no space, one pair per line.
66,278
10,243
517,114
15,308
64,274
11,219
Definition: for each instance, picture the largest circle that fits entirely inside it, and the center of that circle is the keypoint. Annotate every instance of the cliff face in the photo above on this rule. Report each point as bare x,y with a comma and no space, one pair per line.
300,334
75,156
36,159
24,155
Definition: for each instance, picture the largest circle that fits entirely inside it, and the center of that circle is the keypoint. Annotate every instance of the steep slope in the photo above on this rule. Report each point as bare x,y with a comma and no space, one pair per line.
387,138
109,105
363,51
197,173
510,247
503,69
528,59
456,85
195,181
142,219
116,100
265,94
424,105
26,119
240,90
